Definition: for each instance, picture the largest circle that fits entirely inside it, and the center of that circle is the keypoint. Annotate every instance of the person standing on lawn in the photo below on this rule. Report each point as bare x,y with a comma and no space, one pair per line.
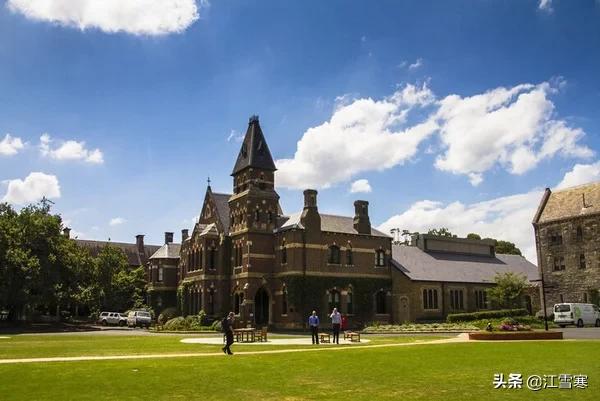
313,323
336,322
227,328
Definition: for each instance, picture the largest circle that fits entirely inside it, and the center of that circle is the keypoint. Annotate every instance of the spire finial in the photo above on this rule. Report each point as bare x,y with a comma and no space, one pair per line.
253,119
208,181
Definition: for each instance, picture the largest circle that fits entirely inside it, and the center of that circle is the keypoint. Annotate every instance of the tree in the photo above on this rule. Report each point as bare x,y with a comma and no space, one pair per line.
508,290
473,236
442,232
507,247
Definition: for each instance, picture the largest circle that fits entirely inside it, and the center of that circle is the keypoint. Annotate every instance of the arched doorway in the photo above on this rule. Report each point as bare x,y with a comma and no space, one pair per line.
261,307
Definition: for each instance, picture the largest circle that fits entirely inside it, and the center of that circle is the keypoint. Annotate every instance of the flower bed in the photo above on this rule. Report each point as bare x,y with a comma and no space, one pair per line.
517,335
419,328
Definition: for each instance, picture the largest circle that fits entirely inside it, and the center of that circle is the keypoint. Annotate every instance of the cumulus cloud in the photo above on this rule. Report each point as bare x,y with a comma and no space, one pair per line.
235,136
362,134
70,150
33,188
581,174
417,64
508,218
10,145
137,17
361,185
545,5
510,127
116,221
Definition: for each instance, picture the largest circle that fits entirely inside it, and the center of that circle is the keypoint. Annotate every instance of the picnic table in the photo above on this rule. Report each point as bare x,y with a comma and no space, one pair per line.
244,335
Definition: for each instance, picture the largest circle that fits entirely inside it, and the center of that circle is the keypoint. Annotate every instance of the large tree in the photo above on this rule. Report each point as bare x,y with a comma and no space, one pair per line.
508,290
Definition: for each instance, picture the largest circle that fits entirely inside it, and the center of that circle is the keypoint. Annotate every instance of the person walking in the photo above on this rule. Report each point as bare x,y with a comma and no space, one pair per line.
313,323
336,322
227,328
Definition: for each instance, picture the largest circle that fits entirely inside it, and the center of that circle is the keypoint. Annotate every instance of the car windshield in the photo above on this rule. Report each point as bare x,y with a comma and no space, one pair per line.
143,314
562,308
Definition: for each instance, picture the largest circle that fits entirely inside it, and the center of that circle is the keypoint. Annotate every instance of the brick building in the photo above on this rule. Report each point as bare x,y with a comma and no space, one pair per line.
567,234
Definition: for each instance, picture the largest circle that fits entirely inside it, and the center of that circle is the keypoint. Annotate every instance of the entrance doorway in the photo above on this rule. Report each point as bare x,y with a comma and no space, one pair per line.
261,307
403,312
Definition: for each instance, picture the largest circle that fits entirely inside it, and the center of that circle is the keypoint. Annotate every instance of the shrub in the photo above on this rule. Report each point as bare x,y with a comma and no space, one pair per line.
467,317
216,325
167,314
177,323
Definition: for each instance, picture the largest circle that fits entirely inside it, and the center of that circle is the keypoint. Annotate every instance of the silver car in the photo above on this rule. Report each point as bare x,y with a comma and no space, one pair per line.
139,318
112,318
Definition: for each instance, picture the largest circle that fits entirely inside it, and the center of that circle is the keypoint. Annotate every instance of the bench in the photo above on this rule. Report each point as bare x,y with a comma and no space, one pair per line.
325,337
352,336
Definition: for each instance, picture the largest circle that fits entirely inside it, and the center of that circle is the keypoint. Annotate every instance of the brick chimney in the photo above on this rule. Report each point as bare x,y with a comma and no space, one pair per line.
67,232
168,237
310,218
184,234
362,224
139,242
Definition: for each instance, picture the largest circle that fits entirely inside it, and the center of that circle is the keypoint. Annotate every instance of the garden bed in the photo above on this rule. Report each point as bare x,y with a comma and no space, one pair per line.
517,335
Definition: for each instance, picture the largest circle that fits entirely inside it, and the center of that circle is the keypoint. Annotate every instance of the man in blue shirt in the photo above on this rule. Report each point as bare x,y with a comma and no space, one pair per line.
313,323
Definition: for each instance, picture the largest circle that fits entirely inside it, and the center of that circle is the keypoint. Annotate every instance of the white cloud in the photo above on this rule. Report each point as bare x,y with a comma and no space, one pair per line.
33,188
235,136
581,174
10,145
507,218
361,185
362,135
510,127
137,17
70,150
417,64
545,5
116,221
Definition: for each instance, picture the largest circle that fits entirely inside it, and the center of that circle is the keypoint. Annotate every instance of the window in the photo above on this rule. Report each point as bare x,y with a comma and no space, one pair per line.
283,254
380,302
456,299
582,261
380,258
480,299
211,302
556,239
430,299
257,215
284,301
349,258
579,234
238,300
349,304
334,255
160,274
212,258
559,263
269,217
199,262
562,299
334,299
585,297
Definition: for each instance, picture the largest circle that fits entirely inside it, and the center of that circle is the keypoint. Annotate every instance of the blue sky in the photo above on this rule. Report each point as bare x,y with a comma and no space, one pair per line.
364,89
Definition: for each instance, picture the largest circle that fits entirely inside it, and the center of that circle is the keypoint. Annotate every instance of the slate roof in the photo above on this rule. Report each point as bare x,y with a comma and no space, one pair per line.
419,265
167,251
254,151
329,222
222,203
568,202
130,250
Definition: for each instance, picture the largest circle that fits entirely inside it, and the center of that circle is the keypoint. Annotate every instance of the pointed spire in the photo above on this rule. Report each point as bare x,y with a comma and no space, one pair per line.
254,152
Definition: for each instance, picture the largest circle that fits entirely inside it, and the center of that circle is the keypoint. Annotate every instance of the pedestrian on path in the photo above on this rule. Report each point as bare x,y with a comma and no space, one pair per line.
313,323
227,328
336,322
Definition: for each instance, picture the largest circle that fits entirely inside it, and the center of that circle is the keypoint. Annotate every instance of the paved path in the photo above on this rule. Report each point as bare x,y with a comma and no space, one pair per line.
457,339
276,341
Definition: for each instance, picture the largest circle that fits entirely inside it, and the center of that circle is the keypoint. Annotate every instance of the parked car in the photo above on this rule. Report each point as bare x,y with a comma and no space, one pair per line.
577,314
115,318
139,318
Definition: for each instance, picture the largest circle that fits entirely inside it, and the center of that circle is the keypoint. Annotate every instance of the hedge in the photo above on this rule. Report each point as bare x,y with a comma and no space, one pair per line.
492,314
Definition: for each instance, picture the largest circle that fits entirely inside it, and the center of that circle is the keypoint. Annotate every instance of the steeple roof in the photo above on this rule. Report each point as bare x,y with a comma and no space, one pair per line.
254,151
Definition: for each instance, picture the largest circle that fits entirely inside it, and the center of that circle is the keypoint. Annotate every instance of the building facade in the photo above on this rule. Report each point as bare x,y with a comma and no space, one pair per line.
567,235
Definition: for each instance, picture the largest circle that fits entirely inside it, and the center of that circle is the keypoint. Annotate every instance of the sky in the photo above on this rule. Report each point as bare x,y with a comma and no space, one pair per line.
439,113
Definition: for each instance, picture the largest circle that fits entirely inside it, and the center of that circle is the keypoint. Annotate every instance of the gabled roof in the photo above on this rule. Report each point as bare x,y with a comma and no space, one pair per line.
331,223
419,265
569,202
254,151
222,204
134,258
167,251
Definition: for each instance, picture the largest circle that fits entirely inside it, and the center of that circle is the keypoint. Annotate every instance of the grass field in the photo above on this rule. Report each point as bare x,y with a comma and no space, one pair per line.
460,371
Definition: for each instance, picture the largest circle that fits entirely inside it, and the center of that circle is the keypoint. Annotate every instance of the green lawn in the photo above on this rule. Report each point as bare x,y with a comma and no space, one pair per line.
38,346
462,371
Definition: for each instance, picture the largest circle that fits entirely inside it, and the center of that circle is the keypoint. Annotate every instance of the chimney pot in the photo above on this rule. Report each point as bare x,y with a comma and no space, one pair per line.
310,198
139,241
168,237
184,234
362,224
67,232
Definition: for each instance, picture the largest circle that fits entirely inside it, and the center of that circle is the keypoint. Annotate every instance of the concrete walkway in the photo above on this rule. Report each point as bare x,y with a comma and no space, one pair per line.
457,339
304,340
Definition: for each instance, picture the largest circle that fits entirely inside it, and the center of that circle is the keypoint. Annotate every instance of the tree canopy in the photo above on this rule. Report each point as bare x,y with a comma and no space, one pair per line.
508,290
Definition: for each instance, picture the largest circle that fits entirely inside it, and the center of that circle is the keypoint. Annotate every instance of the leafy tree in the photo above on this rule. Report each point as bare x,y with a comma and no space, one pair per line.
508,290
507,247
442,231
473,236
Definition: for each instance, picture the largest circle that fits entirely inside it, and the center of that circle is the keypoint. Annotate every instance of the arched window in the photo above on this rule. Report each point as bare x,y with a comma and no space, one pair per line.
334,300
238,300
334,255
349,303
283,254
269,217
430,298
200,258
257,215
211,301
579,233
349,256
212,258
456,299
284,301
380,302
380,258
582,261
189,261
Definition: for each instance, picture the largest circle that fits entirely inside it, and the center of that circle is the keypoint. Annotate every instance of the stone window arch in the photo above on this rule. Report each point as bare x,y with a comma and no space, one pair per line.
334,254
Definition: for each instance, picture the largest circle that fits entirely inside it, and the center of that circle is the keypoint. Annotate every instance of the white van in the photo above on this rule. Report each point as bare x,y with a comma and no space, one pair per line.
577,314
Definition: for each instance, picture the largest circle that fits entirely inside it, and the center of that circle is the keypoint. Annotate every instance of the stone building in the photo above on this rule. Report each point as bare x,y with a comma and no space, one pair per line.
567,235
435,276
162,274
